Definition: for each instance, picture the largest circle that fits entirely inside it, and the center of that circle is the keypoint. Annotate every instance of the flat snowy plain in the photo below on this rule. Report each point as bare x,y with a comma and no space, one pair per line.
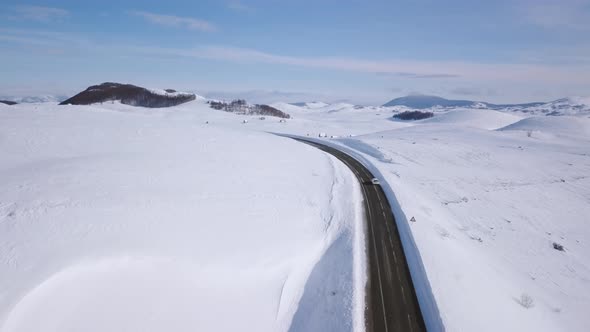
120,218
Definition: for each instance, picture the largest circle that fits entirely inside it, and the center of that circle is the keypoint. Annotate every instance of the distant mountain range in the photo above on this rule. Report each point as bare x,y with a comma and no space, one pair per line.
33,99
130,95
425,101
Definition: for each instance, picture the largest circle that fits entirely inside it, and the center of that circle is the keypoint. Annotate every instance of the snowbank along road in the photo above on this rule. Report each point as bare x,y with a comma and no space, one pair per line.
391,299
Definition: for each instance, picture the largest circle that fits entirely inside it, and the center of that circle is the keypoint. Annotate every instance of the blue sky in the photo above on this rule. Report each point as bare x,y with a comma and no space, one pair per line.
360,51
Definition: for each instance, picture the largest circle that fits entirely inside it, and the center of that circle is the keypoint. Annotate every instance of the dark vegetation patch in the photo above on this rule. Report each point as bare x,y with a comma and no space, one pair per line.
239,106
129,95
413,115
8,102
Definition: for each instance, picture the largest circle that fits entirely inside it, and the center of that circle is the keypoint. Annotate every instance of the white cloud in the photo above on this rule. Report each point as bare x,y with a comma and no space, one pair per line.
238,6
41,14
176,21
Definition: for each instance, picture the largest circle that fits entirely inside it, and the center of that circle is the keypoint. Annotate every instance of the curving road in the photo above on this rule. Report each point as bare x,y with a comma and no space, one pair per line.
391,302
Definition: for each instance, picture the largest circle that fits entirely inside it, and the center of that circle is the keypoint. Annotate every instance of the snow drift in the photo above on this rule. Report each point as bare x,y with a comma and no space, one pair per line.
151,221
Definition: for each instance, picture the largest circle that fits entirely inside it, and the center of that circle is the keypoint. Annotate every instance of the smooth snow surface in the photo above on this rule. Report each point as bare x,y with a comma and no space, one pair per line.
551,125
492,193
155,221
477,118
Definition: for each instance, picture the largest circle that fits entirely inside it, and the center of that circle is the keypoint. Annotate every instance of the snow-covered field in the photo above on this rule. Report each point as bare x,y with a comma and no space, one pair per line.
144,216
491,192
488,207
155,221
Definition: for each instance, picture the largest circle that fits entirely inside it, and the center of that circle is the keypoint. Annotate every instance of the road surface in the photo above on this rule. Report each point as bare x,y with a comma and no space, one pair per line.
391,302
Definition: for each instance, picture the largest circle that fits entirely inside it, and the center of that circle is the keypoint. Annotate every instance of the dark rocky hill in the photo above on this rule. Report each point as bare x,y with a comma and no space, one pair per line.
8,102
130,95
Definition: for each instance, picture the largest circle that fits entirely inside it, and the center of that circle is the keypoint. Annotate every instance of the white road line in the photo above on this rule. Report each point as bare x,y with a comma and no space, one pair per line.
403,295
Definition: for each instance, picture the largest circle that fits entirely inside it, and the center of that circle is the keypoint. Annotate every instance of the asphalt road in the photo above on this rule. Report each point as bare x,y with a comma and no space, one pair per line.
391,302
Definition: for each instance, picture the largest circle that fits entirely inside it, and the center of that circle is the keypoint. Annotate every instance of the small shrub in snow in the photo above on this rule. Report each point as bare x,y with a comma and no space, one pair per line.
526,301
558,246
413,115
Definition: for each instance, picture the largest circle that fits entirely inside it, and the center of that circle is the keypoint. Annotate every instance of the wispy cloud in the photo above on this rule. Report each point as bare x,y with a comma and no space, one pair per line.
414,75
513,72
239,6
176,21
567,14
41,14
462,72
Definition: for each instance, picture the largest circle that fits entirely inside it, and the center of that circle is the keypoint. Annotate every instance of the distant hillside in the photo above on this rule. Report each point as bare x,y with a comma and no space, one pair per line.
130,95
8,102
310,105
424,101
239,106
574,106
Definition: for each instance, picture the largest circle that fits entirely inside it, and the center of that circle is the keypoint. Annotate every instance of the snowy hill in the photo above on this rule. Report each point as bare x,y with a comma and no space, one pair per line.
310,105
178,208
565,106
130,95
240,106
109,216
477,118
562,125
492,210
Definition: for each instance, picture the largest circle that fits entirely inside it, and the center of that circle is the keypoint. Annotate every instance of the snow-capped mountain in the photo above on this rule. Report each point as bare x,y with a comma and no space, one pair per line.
426,101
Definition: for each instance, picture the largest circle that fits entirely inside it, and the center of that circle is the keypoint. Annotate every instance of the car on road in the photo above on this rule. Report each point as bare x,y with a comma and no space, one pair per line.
375,181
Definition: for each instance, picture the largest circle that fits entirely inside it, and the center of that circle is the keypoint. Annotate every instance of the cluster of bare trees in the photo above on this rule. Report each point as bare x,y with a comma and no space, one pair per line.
413,115
240,106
